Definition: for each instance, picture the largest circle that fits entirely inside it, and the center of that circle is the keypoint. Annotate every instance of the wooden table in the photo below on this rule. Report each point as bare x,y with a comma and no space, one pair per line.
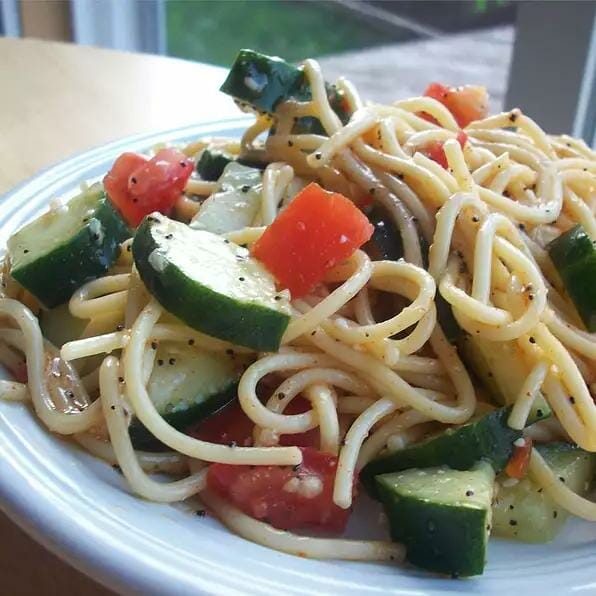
56,100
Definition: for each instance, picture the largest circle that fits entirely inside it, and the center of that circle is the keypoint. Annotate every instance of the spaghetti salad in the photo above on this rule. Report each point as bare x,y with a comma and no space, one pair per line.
395,299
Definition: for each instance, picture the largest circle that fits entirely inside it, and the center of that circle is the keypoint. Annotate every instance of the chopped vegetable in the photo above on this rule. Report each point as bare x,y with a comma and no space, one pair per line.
67,246
524,511
517,466
212,162
138,185
314,233
467,103
574,255
488,438
442,516
434,150
210,283
287,498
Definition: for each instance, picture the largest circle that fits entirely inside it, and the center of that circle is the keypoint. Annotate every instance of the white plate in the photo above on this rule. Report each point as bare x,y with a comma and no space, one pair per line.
80,508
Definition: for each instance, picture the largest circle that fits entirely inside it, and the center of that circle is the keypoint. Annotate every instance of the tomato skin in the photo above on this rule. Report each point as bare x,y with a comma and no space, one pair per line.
138,185
517,466
315,232
466,103
259,492
435,150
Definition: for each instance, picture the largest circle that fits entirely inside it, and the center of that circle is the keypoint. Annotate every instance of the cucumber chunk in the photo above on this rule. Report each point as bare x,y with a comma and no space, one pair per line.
59,326
264,82
210,283
525,512
212,162
66,247
442,516
186,386
487,438
501,368
574,256
235,205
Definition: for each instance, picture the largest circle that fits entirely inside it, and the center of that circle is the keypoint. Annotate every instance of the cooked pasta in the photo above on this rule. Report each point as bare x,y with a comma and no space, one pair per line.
367,362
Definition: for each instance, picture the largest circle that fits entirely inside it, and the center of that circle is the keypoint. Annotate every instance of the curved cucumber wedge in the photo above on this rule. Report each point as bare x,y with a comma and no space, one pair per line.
210,283
186,386
488,439
67,247
525,512
574,256
442,516
501,368
235,205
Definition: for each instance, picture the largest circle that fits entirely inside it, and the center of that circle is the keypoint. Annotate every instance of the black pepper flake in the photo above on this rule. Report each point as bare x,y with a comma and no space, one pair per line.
245,188
521,226
475,219
555,514
290,144
277,298
240,279
133,180
154,345
372,191
540,490
95,237
513,522
530,296
69,394
169,236
112,407
296,467
119,327
313,332
172,361
513,117
129,248
571,399
281,395
120,379
117,468
160,362
26,251
233,444
539,412
85,219
318,155
400,176
183,164
200,513
191,342
532,340
561,479
511,507
226,241
469,493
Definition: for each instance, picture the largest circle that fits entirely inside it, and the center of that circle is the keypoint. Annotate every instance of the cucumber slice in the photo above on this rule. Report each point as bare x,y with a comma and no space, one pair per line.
186,386
59,326
442,516
525,512
66,247
574,256
487,438
266,81
210,283
236,204
501,368
212,162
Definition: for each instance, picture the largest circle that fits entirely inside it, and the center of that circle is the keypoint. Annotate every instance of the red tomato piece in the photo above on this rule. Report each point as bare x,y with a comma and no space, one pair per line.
232,425
138,185
287,498
517,466
435,150
316,231
466,103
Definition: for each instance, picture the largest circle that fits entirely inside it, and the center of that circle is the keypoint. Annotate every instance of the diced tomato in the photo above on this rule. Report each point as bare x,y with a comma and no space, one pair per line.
435,150
232,425
467,103
517,466
138,185
287,498
316,231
